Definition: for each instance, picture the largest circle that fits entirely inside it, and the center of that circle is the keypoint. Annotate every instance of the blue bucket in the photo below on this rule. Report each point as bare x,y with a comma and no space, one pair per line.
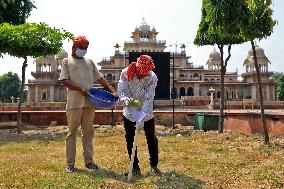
102,98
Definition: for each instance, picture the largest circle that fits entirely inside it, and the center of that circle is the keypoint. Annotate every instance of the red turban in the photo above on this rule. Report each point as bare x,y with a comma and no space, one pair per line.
143,66
80,40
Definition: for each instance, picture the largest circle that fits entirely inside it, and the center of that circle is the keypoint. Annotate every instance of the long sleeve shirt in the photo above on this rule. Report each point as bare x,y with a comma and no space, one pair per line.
142,89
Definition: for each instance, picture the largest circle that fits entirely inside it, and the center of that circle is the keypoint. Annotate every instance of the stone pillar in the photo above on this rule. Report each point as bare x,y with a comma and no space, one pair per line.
196,89
51,93
29,94
253,92
36,94
267,93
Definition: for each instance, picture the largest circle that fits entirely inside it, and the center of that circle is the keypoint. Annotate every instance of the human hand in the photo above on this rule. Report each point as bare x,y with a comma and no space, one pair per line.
84,92
126,101
115,94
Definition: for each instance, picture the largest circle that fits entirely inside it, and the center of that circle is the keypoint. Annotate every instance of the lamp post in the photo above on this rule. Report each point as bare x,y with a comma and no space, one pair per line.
211,105
173,91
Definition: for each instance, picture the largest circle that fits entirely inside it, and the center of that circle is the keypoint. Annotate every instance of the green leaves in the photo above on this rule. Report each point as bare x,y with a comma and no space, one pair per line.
15,11
9,86
31,39
220,22
226,22
260,23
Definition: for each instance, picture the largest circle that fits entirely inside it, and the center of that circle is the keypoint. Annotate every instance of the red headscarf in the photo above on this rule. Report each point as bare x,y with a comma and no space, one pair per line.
80,40
143,66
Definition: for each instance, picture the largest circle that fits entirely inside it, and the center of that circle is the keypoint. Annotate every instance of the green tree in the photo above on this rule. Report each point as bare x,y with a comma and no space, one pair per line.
15,11
220,25
30,39
9,86
259,25
279,84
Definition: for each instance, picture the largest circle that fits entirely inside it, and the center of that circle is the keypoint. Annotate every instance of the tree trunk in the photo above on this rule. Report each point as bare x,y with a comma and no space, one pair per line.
263,122
223,70
19,114
222,95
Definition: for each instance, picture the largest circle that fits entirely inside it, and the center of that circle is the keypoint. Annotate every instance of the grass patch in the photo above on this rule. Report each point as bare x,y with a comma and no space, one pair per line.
188,160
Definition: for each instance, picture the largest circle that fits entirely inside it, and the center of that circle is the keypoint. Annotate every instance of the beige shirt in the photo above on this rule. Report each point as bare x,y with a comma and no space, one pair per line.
83,72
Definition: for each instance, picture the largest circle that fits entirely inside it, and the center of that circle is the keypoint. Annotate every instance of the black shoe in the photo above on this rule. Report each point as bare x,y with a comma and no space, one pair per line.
155,170
135,172
92,166
70,169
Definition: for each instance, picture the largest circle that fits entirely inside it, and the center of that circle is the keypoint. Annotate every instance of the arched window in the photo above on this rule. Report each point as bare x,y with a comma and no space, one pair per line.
181,75
44,94
182,91
190,91
174,92
218,94
195,75
109,77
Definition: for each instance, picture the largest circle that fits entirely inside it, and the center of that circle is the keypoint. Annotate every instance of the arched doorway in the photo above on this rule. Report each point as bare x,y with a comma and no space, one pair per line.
190,91
174,92
182,91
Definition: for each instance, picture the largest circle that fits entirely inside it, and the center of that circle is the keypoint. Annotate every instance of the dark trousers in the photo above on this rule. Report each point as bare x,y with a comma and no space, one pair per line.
152,140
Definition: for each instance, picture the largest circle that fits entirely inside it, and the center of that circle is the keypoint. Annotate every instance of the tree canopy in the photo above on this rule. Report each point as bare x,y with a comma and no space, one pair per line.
260,23
221,22
15,11
9,86
31,39
279,84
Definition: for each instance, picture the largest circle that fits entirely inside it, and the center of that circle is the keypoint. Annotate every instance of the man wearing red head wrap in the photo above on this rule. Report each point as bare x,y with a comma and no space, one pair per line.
141,68
78,75
136,88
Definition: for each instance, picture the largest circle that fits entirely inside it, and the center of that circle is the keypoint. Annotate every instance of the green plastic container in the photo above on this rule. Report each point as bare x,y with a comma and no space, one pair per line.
211,122
206,122
199,121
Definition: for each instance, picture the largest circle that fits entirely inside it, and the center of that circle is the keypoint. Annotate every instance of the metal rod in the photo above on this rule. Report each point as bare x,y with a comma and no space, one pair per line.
173,92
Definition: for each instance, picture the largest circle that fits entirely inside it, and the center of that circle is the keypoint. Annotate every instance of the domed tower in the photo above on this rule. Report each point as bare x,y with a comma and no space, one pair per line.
144,39
250,76
59,57
46,87
214,61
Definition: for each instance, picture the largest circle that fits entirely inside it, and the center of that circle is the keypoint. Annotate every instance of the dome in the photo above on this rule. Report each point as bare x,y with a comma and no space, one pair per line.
153,30
259,52
215,55
214,58
47,60
144,26
262,59
61,55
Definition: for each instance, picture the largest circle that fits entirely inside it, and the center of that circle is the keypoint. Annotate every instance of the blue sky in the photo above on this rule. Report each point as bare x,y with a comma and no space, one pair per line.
108,22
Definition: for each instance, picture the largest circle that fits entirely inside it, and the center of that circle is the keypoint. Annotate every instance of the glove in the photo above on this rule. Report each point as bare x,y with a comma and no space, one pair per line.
140,125
126,101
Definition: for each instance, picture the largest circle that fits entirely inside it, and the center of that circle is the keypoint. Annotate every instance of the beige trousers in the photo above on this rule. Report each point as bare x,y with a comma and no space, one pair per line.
75,118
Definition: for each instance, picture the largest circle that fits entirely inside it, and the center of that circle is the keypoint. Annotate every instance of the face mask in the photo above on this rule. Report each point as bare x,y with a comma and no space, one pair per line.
80,53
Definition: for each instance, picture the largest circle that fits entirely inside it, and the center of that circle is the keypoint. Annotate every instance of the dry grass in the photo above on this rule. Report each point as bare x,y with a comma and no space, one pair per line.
192,160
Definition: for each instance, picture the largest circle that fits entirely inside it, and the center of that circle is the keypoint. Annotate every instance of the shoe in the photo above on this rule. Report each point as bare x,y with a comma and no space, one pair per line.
70,169
155,170
135,172
92,166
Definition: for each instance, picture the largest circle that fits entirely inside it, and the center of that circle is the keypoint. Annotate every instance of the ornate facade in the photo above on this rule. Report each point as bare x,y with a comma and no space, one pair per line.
46,87
189,80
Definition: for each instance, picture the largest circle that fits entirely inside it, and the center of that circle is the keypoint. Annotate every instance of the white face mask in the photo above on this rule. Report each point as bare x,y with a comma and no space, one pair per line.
80,52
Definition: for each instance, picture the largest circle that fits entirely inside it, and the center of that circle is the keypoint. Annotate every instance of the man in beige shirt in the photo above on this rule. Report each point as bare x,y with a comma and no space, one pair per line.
78,75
